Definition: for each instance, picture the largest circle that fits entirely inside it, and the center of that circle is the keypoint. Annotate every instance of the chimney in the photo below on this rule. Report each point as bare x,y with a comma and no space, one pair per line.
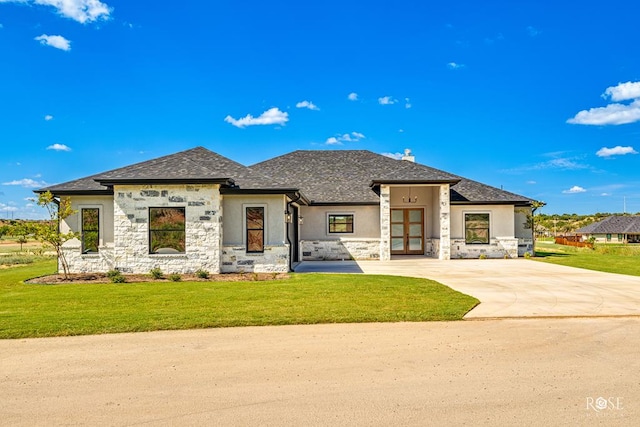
408,156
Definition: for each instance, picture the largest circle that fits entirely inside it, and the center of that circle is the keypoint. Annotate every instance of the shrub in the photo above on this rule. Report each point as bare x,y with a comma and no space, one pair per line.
118,279
175,277
482,256
113,273
156,273
527,255
202,274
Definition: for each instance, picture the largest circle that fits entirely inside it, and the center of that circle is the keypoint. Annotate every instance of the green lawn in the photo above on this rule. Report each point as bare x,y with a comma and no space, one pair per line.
78,309
609,258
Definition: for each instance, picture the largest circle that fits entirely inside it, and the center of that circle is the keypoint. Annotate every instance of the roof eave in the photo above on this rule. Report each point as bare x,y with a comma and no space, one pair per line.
142,181
376,182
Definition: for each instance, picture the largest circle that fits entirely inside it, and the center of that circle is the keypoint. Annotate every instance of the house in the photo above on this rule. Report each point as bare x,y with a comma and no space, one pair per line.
199,210
613,229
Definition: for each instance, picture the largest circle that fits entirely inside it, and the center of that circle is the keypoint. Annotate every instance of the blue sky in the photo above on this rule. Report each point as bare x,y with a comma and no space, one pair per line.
539,97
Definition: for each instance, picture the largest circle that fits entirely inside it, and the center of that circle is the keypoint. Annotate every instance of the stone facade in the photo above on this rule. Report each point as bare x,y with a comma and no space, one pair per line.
444,250
274,259
385,223
340,250
498,247
203,227
78,262
432,247
524,246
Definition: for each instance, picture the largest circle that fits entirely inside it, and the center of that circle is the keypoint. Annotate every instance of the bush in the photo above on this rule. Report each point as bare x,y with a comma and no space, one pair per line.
156,273
175,277
202,274
116,276
482,256
527,255
113,273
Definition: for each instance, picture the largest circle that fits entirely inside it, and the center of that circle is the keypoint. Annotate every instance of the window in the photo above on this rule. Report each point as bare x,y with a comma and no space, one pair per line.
476,228
90,230
340,223
620,237
608,237
167,230
255,229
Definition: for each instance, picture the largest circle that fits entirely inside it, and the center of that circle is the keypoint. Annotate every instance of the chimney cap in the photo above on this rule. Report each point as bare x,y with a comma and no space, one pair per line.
408,156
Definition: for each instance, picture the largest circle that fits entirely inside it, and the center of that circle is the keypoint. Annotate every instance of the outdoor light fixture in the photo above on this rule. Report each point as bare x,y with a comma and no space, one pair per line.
409,199
287,216
300,220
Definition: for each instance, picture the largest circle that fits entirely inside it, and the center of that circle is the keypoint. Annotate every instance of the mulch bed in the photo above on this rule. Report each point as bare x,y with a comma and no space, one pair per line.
55,279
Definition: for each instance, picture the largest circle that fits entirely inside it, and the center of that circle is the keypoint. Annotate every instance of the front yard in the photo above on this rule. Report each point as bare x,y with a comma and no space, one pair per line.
30,310
623,259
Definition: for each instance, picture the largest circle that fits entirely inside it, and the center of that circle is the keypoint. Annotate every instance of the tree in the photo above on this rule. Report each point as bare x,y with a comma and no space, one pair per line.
49,231
4,230
22,230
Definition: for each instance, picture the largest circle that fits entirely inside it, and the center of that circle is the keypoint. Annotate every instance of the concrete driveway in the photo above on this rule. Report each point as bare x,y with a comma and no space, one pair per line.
513,287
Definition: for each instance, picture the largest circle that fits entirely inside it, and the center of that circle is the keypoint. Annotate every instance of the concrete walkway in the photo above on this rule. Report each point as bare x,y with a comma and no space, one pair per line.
512,288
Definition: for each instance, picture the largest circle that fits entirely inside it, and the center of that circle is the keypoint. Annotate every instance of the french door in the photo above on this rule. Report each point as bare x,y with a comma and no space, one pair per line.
407,231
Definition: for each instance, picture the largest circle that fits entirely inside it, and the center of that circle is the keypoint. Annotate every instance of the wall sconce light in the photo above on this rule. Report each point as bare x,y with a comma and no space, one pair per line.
287,217
300,220
409,199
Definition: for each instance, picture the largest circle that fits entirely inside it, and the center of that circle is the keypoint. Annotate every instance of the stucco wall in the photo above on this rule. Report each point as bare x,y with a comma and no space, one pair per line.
73,222
501,219
366,222
234,218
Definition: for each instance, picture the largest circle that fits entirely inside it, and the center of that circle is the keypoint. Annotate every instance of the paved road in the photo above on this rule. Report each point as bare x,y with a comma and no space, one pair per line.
513,287
493,373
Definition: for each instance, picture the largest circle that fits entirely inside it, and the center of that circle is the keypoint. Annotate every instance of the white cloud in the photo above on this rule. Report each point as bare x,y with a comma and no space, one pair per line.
397,156
352,96
455,66
307,104
48,117
531,182
8,209
387,100
272,116
58,147
407,103
82,11
623,91
615,151
575,189
605,194
401,130
26,182
533,31
58,42
347,137
615,113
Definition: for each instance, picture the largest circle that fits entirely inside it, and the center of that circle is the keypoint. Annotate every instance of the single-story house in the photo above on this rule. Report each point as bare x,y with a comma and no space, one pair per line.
199,210
613,229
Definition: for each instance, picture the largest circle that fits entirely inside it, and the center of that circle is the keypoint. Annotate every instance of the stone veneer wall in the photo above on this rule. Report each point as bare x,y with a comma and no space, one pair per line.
203,210
274,259
524,246
384,249
432,247
78,262
340,249
497,248
444,249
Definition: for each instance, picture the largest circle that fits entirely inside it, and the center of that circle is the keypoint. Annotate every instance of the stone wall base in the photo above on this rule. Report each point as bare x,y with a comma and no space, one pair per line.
497,248
340,249
274,259
101,262
524,246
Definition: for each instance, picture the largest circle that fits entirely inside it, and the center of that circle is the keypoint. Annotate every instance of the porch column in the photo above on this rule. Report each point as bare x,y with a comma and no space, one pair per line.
445,223
385,223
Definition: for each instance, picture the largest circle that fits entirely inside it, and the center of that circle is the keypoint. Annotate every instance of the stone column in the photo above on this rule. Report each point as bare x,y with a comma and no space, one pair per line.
385,223
445,223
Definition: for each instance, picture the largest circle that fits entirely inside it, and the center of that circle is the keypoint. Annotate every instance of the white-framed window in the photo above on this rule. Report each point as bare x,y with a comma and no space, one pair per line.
90,226
477,228
255,227
340,223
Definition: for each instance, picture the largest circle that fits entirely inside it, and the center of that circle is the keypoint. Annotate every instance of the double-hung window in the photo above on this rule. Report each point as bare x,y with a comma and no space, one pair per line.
255,229
167,230
476,228
90,234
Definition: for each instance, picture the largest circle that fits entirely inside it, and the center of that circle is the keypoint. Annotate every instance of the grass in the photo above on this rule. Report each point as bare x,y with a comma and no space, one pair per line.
623,259
81,309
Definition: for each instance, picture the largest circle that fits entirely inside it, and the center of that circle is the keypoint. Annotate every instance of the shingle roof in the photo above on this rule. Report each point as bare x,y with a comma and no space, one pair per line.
616,224
197,164
345,176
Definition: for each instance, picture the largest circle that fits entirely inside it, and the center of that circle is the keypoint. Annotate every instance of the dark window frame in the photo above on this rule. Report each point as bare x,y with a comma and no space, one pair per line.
250,229
172,230
84,231
347,223
608,237
471,241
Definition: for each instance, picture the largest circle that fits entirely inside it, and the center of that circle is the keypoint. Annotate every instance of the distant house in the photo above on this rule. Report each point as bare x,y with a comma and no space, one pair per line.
613,229
199,210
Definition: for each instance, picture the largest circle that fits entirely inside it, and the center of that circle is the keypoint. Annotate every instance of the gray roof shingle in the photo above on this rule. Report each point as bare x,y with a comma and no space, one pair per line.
616,224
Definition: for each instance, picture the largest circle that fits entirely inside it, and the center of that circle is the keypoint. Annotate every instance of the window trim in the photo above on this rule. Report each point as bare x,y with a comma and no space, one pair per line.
82,208
150,230
464,227
245,233
345,214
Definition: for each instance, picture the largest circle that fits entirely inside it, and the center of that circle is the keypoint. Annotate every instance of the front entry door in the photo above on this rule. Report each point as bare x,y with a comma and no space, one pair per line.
407,231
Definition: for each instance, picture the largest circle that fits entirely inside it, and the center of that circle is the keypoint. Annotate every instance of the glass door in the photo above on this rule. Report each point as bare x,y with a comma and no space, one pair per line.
407,231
